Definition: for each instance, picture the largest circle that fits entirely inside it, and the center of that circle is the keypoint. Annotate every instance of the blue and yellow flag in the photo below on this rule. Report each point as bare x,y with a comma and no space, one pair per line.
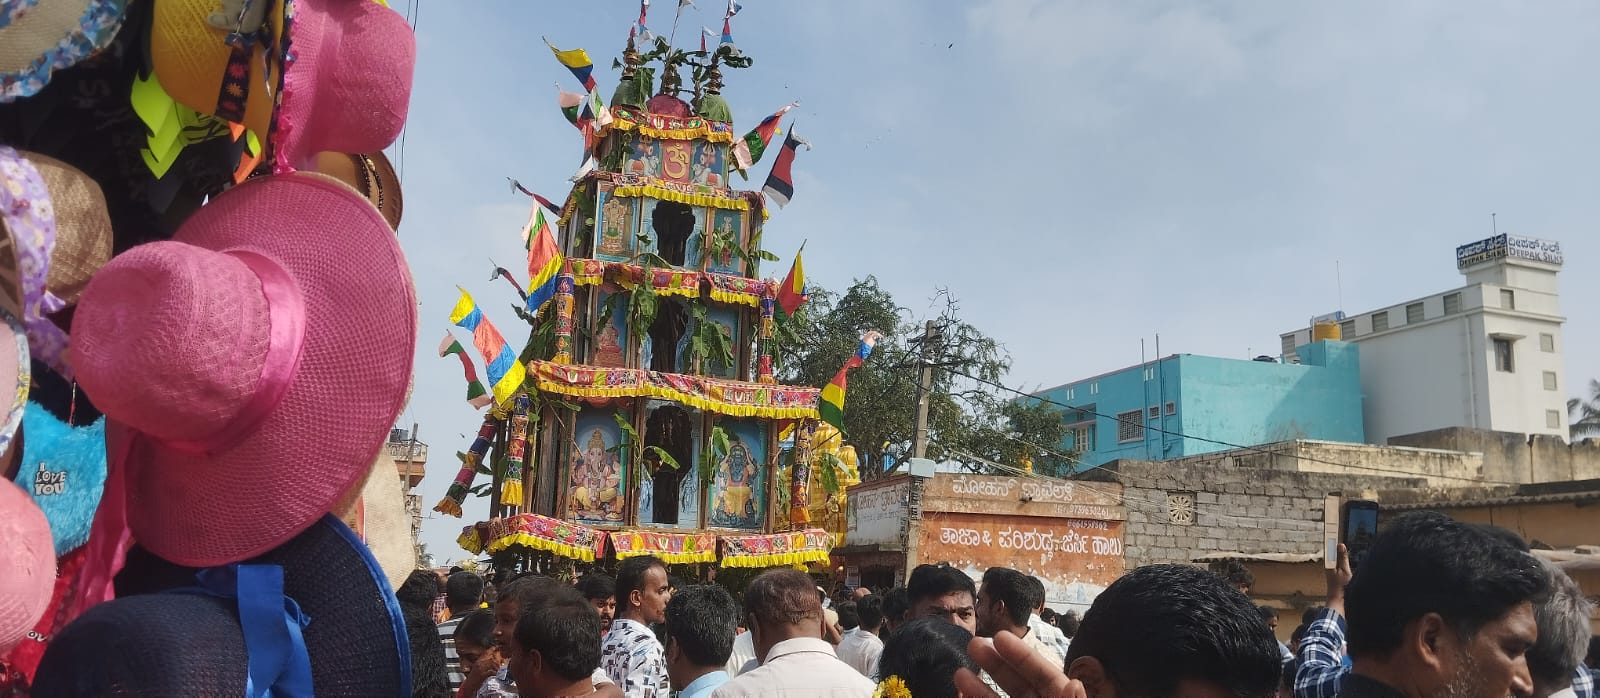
577,61
505,372
544,259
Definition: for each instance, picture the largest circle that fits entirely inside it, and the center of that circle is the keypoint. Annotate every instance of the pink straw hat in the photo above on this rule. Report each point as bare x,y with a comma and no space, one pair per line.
27,564
349,86
258,359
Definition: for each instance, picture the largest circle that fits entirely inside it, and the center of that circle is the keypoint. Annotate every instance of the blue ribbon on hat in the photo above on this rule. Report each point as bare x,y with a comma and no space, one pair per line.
273,626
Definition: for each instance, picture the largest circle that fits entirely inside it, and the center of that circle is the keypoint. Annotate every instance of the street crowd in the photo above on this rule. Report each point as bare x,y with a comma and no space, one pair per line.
1437,608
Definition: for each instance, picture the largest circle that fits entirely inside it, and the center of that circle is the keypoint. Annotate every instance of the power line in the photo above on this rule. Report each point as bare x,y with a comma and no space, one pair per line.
1161,430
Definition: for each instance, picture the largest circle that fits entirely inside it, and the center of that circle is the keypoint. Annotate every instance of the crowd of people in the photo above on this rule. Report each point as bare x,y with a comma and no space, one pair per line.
1439,608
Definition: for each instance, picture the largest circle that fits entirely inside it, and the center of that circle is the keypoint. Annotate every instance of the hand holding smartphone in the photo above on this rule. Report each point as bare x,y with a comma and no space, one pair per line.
1358,528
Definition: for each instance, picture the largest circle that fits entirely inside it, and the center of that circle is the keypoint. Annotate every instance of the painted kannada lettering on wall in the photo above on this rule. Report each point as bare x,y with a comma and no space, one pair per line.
1075,558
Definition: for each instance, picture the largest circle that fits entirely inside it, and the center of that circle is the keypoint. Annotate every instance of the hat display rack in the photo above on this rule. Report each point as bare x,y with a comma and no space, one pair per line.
635,410
170,336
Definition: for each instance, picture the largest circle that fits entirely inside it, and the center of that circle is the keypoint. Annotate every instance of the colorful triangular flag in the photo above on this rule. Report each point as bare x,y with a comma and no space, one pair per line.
748,150
577,61
505,371
831,407
544,260
792,292
780,182
476,395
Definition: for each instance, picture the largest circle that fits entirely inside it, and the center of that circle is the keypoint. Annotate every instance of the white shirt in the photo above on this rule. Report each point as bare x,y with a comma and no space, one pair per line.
861,649
1050,634
804,666
744,652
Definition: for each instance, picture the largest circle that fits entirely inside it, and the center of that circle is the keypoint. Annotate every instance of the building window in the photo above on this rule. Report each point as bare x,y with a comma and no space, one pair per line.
1452,303
1082,437
1549,380
1150,373
1172,408
1552,419
1288,344
1180,508
1380,321
1155,411
1347,329
1503,359
1069,394
1130,426
1094,388
1547,343
1508,299
1413,313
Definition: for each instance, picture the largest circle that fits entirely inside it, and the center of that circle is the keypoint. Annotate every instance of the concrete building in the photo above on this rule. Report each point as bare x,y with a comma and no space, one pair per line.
410,458
1486,355
1144,412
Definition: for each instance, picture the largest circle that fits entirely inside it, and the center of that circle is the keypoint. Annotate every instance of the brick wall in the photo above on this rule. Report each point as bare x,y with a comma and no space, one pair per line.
1245,510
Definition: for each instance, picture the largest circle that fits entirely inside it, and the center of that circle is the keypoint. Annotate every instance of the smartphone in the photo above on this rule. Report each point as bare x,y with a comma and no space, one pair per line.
1358,527
1330,530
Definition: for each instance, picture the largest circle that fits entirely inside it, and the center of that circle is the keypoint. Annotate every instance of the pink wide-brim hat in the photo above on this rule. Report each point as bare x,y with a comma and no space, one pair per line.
27,564
257,360
349,86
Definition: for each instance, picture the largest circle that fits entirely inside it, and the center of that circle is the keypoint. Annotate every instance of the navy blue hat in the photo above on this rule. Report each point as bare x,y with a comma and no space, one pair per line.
314,616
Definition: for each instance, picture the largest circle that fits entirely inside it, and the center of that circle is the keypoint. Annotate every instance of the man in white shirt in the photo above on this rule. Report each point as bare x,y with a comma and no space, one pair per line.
785,618
861,646
1048,632
1005,602
631,655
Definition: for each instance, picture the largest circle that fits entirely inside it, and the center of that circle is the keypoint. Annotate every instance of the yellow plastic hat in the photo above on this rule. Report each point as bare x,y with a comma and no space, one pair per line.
196,63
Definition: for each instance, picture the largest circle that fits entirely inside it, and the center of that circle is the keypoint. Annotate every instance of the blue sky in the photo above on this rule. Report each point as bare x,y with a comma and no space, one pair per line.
1079,174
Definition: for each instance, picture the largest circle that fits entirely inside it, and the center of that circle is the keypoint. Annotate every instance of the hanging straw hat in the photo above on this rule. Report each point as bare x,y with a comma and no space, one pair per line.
27,564
83,227
350,84
372,175
178,631
258,360
190,49
39,37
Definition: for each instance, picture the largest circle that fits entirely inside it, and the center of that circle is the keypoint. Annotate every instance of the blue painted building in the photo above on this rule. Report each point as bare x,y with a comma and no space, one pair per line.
1124,414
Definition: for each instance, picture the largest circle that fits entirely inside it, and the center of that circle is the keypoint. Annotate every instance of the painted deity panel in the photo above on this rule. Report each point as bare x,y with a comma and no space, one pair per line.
710,166
675,160
597,470
611,340
726,317
644,157
739,480
614,224
680,437
695,249
727,224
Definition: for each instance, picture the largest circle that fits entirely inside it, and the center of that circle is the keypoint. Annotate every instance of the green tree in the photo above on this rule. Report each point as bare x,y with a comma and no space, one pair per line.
969,422
1583,414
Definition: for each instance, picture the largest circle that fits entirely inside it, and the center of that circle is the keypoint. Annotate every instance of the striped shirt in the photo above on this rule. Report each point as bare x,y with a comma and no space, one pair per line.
452,662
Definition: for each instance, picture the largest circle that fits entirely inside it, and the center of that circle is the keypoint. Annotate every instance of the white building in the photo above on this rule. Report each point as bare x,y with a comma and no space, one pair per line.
1486,355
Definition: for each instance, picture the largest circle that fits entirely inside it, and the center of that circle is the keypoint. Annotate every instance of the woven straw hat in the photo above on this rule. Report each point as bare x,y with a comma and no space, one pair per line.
372,175
190,51
27,564
39,37
350,85
155,640
259,357
83,227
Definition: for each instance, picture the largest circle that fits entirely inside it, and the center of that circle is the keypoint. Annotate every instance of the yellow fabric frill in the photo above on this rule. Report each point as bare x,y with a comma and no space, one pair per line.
776,559
469,541
666,393
709,555
686,198
722,295
511,493
537,543
677,134
448,507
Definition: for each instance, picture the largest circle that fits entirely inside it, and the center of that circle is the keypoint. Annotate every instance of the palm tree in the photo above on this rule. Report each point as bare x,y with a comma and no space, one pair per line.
1583,414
